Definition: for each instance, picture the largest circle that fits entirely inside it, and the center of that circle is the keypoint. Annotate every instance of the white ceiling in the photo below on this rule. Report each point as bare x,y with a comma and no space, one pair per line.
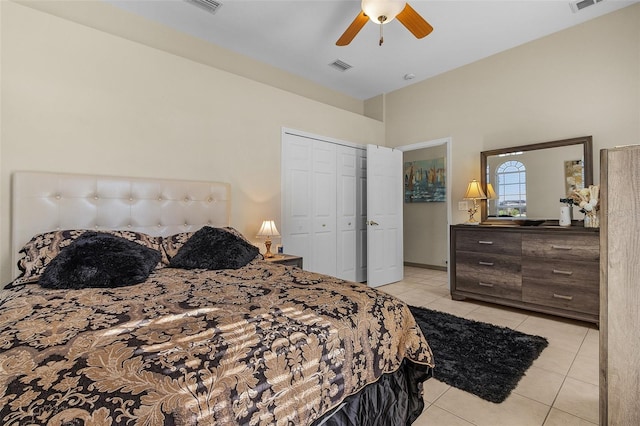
299,36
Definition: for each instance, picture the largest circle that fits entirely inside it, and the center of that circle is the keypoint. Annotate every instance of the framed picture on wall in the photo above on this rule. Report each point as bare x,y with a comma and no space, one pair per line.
424,181
573,175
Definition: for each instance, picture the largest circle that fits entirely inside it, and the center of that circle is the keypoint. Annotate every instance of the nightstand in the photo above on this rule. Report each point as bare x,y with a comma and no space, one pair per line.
286,259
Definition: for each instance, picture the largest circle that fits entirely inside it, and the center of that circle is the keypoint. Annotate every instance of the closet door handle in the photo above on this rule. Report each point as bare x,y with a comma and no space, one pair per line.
485,263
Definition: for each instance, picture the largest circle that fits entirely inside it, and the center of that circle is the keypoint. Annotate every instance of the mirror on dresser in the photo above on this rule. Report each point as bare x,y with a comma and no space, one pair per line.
529,180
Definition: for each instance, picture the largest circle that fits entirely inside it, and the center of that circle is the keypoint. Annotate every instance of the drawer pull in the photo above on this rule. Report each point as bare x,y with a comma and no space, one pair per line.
559,272
485,242
553,246
560,296
480,283
485,263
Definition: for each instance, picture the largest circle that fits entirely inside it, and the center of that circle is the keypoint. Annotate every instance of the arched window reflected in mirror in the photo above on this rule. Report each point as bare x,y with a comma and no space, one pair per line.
511,179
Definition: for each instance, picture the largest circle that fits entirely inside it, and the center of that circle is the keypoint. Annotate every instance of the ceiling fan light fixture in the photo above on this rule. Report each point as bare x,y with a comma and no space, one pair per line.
382,11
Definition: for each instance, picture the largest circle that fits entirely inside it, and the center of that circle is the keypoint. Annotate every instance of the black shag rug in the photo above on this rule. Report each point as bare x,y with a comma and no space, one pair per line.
480,358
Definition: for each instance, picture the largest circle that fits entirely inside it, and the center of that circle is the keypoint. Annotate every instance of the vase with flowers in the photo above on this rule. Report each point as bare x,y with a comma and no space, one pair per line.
587,200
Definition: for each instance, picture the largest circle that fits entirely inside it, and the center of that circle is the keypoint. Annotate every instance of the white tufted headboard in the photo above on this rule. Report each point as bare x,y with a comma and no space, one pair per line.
44,202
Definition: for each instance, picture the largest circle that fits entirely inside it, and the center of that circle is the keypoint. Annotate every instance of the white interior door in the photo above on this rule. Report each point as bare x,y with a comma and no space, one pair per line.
323,190
297,206
361,212
384,216
346,248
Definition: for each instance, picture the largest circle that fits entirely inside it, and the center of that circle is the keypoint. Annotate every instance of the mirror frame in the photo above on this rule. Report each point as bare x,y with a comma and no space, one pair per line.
587,155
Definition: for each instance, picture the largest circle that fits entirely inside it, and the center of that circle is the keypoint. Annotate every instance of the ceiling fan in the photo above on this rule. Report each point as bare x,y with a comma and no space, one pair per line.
382,12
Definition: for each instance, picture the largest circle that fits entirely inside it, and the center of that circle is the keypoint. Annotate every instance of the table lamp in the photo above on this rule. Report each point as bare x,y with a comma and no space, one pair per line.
475,193
268,230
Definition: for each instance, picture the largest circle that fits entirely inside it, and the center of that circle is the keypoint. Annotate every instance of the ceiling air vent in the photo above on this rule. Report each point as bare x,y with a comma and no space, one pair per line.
340,65
210,6
577,6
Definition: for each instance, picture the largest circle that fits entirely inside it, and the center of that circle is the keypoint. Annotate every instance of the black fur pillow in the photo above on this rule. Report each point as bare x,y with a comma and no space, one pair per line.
100,260
214,248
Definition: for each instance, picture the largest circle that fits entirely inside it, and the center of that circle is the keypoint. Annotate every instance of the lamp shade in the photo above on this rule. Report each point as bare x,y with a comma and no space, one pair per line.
474,191
491,194
268,229
388,9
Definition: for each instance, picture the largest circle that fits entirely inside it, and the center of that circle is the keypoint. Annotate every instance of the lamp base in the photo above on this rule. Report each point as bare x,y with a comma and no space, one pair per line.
472,214
267,253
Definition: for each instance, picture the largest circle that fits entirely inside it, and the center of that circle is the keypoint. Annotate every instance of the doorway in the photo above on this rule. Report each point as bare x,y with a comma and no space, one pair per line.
426,224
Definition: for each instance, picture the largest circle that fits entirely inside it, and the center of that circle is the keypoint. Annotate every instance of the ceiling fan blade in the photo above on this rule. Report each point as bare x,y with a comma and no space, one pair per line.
353,29
414,22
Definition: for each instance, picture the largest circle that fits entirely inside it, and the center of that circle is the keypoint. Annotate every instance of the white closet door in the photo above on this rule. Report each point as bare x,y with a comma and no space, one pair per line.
361,212
323,208
384,211
323,205
297,218
347,215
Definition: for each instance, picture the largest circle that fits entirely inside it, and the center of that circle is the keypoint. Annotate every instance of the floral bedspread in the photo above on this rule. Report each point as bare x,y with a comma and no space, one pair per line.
261,345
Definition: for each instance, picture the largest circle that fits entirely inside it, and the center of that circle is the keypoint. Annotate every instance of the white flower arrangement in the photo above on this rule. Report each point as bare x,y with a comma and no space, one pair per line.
585,198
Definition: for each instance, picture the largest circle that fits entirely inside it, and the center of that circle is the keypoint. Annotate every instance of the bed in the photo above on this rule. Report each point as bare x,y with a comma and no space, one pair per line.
239,341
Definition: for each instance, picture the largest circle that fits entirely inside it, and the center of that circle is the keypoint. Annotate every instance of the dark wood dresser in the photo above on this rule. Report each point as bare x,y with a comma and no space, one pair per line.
548,269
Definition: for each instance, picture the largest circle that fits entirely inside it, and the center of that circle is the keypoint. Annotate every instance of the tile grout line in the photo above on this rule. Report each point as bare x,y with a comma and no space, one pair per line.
564,380
573,355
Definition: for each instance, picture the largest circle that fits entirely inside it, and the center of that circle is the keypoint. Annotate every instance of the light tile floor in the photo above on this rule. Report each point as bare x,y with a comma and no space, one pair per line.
560,388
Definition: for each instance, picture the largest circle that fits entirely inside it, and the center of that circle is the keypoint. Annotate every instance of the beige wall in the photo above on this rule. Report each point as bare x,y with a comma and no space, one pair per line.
425,224
581,81
105,17
80,100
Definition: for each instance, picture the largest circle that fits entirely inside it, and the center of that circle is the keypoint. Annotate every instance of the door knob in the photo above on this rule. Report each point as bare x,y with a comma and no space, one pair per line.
371,222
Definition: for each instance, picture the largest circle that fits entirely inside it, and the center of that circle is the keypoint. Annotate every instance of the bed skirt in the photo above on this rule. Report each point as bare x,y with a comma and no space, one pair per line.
395,399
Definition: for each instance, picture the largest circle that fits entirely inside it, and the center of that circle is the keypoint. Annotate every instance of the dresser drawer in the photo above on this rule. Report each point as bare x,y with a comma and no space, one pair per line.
583,247
562,284
509,243
569,297
489,274
562,271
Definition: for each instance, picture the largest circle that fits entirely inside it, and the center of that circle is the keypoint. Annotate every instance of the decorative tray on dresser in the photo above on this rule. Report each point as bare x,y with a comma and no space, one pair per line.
548,269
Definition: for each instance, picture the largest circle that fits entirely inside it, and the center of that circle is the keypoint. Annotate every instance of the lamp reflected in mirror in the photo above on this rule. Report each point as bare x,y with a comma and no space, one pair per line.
491,196
475,193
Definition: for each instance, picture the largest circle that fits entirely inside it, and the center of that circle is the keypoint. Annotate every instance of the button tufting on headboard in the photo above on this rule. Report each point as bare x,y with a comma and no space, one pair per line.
44,202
